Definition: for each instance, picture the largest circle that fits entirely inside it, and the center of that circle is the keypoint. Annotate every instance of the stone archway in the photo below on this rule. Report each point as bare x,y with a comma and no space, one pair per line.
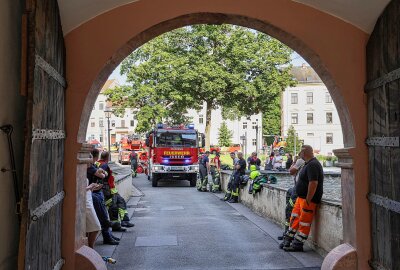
349,105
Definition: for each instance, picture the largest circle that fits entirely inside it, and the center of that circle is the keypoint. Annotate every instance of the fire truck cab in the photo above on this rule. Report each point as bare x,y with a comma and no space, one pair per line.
173,153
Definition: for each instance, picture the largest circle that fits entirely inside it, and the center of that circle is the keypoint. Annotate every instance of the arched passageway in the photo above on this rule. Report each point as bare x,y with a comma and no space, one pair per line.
334,48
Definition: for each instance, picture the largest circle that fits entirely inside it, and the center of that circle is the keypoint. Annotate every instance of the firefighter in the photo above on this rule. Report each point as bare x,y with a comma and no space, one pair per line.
215,168
309,189
116,204
204,169
96,175
291,195
133,156
228,192
254,173
240,170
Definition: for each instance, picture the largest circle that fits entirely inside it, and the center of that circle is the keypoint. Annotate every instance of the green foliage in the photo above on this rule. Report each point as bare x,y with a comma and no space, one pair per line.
220,66
224,135
293,141
272,118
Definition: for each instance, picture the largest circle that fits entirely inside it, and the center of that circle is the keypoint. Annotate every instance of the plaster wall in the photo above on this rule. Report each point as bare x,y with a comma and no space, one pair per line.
270,202
334,48
11,112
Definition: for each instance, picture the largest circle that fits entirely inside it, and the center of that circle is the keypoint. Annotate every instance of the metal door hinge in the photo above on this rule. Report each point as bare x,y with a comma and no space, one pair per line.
46,206
383,141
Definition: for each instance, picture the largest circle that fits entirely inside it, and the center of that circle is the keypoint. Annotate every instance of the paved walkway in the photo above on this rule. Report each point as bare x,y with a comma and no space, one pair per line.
178,227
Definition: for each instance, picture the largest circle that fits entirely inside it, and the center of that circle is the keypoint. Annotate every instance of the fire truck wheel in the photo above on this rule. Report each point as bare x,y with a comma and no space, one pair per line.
154,180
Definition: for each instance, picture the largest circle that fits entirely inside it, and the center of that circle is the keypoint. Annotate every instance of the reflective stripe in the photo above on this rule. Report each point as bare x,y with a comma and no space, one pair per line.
303,235
305,224
291,202
236,193
108,202
301,239
114,191
287,223
294,215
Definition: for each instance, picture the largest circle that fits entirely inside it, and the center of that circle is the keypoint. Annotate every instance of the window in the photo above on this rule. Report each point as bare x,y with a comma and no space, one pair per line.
329,118
201,119
329,138
92,137
132,123
309,98
113,123
294,98
328,98
295,118
310,134
254,142
101,138
310,118
101,106
254,125
244,125
122,123
92,123
101,122
176,139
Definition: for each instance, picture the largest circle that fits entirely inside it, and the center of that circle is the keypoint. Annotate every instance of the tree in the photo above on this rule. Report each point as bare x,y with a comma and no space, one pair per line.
293,141
272,118
215,66
224,135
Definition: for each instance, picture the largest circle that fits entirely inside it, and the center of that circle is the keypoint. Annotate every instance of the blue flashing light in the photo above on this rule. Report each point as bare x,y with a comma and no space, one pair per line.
187,160
160,125
191,126
165,160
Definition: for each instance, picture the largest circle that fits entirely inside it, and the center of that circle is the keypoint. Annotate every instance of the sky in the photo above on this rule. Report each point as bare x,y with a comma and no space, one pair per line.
297,60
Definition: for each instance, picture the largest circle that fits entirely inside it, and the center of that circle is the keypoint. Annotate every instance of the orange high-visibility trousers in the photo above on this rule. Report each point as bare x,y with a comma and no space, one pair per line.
301,219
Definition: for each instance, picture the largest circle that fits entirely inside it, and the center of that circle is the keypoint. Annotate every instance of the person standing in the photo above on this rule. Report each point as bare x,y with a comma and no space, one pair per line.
291,195
204,169
133,156
228,192
278,161
92,222
309,189
240,170
269,163
215,168
254,160
289,161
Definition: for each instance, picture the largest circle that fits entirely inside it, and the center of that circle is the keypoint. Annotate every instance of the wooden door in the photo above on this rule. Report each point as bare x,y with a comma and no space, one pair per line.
40,238
383,90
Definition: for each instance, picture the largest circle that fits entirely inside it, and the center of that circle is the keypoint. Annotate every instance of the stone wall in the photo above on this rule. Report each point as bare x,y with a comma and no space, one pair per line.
270,202
124,185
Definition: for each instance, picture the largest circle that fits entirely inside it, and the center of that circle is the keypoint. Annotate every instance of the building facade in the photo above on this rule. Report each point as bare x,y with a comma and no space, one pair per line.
98,122
309,108
246,131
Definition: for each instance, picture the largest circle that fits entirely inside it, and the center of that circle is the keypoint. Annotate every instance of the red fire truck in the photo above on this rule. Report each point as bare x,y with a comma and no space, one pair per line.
127,144
173,153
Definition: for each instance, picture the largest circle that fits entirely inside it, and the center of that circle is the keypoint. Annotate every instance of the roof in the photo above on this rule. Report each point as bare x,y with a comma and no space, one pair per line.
109,84
305,74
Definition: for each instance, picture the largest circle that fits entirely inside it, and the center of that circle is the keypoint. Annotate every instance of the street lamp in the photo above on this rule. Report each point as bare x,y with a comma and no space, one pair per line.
108,112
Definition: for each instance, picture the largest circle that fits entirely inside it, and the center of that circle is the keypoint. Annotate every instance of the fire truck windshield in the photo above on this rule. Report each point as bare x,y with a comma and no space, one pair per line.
170,139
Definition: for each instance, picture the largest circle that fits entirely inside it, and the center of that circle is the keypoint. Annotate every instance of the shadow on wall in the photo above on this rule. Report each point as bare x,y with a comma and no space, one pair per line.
12,112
